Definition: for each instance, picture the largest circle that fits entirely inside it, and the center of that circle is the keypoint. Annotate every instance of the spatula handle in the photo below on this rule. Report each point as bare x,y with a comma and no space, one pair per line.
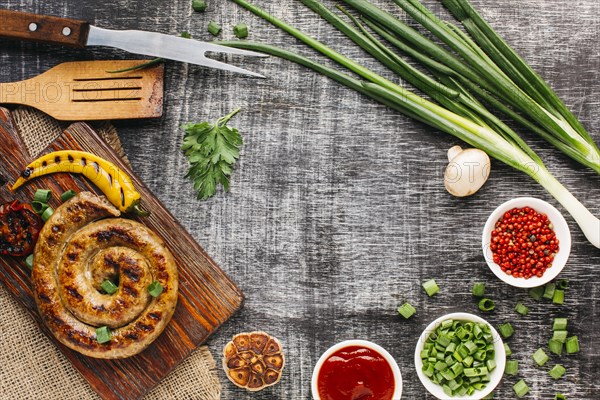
42,28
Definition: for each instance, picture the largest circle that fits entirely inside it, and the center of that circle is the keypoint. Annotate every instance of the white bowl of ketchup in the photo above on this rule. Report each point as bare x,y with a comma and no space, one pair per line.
356,369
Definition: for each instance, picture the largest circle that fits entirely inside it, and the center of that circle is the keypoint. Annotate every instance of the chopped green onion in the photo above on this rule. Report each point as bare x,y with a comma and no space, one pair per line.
198,5
42,195
39,207
240,31
47,214
478,289
512,367
562,284
488,397
557,371
521,388
522,309
108,287
406,310
29,261
486,304
536,293
555,346
540,357
185,35
431,287
214,28
558,297
560,396
155,289
559,336
507,350
549,291
102,334
506,330
572,345
67,195
560,324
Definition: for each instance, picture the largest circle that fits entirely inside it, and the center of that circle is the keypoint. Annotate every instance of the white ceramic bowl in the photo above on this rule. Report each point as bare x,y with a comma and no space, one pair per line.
560,228
362,343
495,375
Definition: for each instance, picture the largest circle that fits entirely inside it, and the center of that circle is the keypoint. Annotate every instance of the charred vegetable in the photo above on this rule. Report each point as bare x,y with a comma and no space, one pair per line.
109,178
19,228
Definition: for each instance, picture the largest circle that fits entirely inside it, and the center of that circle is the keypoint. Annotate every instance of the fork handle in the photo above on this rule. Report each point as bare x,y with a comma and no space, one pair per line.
43,28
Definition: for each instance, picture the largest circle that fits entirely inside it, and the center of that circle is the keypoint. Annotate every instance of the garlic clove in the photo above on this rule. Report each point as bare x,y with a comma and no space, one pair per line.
467,171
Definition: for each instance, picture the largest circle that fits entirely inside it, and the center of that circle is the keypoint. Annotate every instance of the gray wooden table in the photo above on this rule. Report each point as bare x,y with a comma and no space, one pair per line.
337,210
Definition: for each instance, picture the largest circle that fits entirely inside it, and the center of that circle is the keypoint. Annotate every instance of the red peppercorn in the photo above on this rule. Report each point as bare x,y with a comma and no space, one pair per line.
524,243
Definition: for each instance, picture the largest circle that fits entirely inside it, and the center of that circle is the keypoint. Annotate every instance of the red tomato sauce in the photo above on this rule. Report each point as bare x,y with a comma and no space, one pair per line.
356,373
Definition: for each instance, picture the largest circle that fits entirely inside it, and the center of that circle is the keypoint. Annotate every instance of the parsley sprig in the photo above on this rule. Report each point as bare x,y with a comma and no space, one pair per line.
211,150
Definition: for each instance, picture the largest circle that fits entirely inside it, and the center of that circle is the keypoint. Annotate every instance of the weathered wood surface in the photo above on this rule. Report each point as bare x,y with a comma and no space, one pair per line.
207,297
337,210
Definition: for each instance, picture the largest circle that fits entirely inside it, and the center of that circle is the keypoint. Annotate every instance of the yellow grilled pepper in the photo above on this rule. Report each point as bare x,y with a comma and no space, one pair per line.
109,178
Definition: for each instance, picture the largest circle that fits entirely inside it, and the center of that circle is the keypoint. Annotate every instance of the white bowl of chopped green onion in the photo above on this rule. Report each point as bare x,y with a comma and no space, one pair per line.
559,225
460,356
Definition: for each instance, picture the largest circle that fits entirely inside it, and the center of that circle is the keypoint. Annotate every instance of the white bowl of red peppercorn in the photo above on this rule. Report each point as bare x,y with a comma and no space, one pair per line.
526,242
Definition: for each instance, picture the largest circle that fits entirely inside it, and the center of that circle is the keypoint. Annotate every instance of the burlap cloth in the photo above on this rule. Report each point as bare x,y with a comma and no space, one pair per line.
31,367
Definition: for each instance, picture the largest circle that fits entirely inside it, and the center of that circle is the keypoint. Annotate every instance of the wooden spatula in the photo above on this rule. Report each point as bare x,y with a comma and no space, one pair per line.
86,91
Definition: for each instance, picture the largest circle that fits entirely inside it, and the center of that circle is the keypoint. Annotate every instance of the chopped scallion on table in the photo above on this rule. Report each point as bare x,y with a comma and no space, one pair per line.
557,371
512,367
214,28
572,345
431,287
47,214
562,284
540,357
406,310
240,31
67,195
522,309
507,350
549,291
29,261
198,5
521,388
486,304
155,289
108,287
506,330
560,396
558,297
103,334
42,195
560,324
555,346
478,289
39,207
559,336
536,293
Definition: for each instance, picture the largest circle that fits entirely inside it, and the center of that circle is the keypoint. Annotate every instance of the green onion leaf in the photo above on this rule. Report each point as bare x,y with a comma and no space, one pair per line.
507,350
108,287
522,309
103,334
42,195
557,371
512,367
155,289
240,31
562,284
29,261
572,345
406,310
549,291
560,396
559,336
506,330
39,207
198,5
536,293
214,28
560,324
478,289
47,213
67,195
486,304
558,297
521,388
431,287
555,346
540,357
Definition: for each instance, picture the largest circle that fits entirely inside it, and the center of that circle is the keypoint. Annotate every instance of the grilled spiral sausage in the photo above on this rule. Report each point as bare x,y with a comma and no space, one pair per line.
82,245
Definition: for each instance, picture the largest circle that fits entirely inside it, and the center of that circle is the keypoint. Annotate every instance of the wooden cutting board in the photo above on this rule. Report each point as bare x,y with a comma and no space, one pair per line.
207,297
